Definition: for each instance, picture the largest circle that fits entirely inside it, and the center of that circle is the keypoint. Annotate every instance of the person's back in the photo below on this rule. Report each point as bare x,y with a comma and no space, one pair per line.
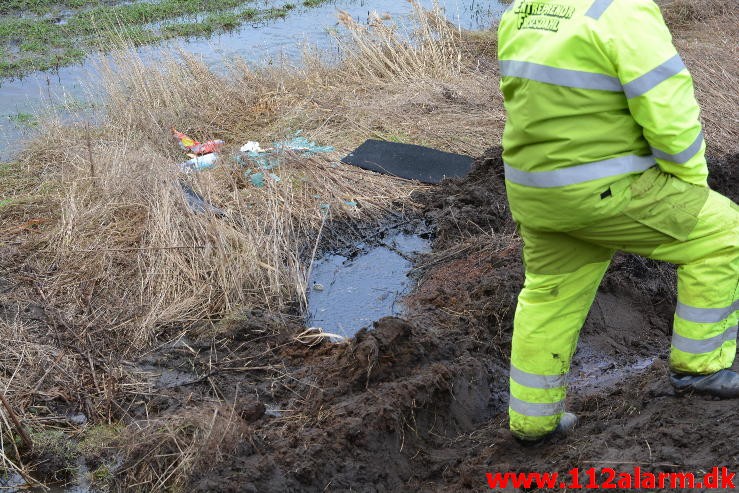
591,83
604,151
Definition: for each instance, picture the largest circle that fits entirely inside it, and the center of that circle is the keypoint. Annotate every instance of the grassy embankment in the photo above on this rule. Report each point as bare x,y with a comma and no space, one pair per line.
95,234
41,34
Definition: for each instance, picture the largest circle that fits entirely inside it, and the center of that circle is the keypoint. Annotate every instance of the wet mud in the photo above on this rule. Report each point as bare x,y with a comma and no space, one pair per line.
419,404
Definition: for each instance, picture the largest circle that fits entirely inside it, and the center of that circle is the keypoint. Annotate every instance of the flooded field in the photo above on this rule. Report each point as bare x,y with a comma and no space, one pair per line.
69,90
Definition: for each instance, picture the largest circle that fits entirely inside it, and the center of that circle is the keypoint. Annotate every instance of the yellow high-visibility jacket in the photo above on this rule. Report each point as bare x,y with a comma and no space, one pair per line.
594,92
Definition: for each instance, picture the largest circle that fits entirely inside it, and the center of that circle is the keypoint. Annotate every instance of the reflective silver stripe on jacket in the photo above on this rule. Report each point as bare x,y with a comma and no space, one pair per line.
702,346
559,76
580,173
537,381
705,315
654,77
536,409
684,156
598,7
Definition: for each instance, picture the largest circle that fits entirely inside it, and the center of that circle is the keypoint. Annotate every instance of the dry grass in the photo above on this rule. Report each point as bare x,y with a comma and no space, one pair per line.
706,32
127,255
165,454
681,13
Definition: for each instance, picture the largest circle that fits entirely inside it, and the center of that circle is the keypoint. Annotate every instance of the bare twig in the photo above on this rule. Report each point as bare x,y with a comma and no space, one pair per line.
16,422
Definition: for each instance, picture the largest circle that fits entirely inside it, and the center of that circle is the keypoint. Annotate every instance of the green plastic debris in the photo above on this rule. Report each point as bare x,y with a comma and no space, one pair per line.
262,160
257,179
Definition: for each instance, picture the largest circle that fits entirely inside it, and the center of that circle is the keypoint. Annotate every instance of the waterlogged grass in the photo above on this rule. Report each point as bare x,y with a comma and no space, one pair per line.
59,33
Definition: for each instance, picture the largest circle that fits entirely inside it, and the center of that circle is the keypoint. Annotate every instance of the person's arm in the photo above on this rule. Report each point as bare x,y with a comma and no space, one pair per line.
659,89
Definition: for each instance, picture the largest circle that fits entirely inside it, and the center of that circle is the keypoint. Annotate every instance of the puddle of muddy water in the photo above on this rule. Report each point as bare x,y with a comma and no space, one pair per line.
594,371
348,292
15,483
265,42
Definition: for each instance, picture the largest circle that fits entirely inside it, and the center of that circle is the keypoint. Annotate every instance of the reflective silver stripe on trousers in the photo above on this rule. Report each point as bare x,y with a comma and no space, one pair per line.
537,381
654,77
580,173
598,7
559,76
536,409
705,315
702,346
684,156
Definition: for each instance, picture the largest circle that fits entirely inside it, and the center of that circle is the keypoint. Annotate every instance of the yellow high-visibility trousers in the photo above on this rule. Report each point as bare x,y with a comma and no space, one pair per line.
663,218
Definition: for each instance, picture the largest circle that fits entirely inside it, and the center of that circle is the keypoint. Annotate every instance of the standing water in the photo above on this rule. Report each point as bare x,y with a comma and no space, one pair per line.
349,292
73,87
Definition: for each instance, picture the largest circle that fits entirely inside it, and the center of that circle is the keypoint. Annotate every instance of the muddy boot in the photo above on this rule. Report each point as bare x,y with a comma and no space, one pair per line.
723,383
567,423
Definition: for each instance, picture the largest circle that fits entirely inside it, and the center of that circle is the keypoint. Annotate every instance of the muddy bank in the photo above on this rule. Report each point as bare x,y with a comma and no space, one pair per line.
420,404
253,403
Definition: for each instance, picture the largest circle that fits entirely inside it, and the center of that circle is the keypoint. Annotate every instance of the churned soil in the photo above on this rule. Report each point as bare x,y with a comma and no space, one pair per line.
419,404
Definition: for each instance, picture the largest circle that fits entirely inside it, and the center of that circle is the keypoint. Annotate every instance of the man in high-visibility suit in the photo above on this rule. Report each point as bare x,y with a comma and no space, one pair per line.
604,151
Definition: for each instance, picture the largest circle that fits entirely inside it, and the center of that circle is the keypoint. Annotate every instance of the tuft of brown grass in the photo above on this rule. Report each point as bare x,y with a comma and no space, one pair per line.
680,13
705,33
165,454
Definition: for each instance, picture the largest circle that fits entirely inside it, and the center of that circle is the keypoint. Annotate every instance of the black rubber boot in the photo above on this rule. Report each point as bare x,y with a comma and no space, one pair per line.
566,424
723,383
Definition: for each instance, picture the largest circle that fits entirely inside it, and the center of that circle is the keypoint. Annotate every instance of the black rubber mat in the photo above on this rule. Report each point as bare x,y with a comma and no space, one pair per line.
409,161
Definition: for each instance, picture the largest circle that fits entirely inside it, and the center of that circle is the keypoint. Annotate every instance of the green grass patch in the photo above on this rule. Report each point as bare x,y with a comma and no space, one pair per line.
25,119
32,43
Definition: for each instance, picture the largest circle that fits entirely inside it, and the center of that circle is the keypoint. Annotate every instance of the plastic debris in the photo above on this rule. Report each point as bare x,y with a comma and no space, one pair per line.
257,179
261,160
198,163
196,147
252,147
302,145
350,203
198,203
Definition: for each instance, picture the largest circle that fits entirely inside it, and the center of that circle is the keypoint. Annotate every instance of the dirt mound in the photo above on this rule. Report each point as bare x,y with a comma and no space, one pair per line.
475,204
364,410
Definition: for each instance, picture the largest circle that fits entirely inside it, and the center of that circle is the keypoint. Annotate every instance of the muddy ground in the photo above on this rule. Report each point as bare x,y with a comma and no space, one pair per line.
420,404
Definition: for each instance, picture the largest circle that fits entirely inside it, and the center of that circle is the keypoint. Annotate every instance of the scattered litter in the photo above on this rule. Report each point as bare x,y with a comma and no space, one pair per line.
408,161
318,287
302,145
199,163
196,147
257,178
350,203
260,159
251,147
198,203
